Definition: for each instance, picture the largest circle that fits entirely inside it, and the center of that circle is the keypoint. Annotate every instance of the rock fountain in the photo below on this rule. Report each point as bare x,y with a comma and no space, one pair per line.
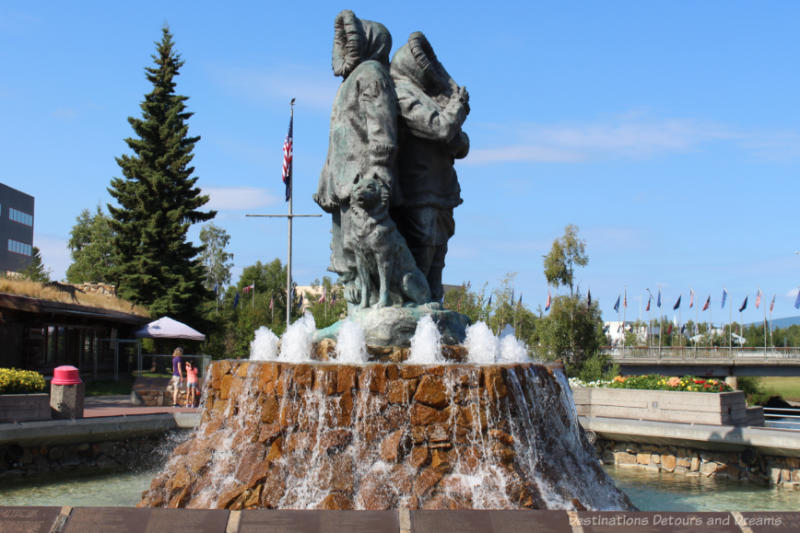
388,417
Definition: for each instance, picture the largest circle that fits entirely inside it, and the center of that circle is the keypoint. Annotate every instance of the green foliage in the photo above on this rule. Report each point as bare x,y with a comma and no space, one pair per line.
215,259
572,331
332,309
566,252
91,245
157,201
109,387
596,367
13,381
753,390
36,271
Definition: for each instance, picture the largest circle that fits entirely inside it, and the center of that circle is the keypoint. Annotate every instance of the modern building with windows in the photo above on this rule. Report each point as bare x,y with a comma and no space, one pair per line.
16,229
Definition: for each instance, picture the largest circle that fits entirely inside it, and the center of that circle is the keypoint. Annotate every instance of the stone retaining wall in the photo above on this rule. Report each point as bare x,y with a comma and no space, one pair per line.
746,465
17,461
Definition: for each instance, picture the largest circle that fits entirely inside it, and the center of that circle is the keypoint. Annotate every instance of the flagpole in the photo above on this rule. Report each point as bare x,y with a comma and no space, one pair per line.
696,326
730,328
624,308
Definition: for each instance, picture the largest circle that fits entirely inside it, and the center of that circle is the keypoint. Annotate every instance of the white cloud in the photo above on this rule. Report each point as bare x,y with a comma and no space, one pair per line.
55,254
630,136
313,88
238,198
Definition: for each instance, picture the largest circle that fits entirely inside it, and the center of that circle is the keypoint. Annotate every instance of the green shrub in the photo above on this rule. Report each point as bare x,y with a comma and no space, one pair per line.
13,381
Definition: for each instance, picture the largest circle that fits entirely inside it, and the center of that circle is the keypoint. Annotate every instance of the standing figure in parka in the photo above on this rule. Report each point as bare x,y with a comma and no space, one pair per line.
363,134
432,109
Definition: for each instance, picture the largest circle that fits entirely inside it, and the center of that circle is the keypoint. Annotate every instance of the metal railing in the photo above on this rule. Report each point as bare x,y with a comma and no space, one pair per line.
162,363
782,418
700,352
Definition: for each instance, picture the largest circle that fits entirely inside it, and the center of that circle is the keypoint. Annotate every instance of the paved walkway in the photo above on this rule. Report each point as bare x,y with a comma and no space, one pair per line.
119,405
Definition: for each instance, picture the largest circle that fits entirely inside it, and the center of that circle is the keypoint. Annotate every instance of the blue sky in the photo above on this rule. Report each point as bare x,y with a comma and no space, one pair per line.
668,132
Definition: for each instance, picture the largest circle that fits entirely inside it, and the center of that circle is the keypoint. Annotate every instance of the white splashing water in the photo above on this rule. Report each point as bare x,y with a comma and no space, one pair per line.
350,344
426,344
265,345
482,346
513,350
296,342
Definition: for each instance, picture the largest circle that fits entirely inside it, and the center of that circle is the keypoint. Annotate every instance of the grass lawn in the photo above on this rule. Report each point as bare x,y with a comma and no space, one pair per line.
788,388
106,387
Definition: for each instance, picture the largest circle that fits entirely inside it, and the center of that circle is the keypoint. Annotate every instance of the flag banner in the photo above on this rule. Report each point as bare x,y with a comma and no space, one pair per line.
724,298
683,329
708,302
236,300
648,304
547,304
520,299
772,304
489,304
589,298
248,288
677,304
300,301
744,305
797,301
271,303
324,294
669,330
216,288
691,298
286,171
658,300
758,298
625,300
616,305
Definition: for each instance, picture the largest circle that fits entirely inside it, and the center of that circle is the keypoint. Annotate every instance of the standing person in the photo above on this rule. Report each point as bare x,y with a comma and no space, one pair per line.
177,374
191,384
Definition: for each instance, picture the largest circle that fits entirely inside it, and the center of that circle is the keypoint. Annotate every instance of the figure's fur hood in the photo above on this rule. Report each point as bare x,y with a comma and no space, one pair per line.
356,40
417,62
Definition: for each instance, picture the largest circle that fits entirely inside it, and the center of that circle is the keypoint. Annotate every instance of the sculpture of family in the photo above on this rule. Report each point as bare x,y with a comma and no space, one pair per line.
388,181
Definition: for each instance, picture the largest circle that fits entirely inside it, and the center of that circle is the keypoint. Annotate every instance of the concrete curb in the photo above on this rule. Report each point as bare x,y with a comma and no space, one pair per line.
94,429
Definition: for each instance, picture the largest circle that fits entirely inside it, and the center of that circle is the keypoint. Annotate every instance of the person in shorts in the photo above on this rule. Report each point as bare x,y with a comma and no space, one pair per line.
192,393
177,374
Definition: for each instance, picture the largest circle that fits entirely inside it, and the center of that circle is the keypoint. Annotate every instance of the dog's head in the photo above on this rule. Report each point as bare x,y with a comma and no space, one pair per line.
369,192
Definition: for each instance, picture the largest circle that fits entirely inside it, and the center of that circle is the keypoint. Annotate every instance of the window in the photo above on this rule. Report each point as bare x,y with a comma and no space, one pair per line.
20,247
19,216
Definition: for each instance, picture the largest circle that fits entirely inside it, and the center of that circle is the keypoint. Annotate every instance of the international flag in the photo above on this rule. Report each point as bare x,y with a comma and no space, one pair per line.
511,302
300,301
333,298
744,305
248,288
520,300
324,294
772,304
286,173
648,304
625,300
547,304
489,304
708,302
758,298
271,303
669,330
724,298
589,298
658,300
677,303
616,305
797,301
691,298
216,288
236,300
683,329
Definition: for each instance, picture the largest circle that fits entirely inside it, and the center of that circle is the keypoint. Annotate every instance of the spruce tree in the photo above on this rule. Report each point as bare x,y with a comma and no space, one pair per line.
157,200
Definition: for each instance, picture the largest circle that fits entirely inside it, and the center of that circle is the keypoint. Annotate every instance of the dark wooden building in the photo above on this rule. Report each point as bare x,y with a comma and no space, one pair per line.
38,334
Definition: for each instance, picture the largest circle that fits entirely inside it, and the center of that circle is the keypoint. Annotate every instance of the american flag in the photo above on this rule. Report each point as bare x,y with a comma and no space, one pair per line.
248,288
286,173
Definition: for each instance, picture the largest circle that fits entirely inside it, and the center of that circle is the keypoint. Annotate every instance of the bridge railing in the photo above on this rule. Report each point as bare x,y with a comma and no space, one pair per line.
700,352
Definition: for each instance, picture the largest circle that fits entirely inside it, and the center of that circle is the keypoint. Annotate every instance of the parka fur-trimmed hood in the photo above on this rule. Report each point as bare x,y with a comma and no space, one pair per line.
356,40
416,62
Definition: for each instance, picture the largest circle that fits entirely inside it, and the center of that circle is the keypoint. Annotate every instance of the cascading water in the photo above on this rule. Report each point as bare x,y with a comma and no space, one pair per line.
333,435
264,346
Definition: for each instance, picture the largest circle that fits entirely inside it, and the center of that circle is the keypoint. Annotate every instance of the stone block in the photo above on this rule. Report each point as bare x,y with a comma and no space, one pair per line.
668,462
624,458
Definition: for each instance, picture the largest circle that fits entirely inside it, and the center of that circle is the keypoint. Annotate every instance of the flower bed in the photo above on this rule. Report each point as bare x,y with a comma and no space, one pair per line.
659,382
13,381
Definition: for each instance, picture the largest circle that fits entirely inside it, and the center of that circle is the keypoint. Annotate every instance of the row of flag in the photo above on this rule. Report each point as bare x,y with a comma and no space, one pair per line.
723,300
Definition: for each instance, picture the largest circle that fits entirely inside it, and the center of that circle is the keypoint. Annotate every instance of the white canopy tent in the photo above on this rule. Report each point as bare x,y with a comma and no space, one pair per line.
169,328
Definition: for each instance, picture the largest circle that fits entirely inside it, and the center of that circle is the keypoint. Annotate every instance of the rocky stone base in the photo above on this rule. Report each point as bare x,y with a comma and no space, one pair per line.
394,326
385,436
747,465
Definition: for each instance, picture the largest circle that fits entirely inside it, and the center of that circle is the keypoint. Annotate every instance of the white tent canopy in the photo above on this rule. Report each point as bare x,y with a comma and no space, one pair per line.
168,328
